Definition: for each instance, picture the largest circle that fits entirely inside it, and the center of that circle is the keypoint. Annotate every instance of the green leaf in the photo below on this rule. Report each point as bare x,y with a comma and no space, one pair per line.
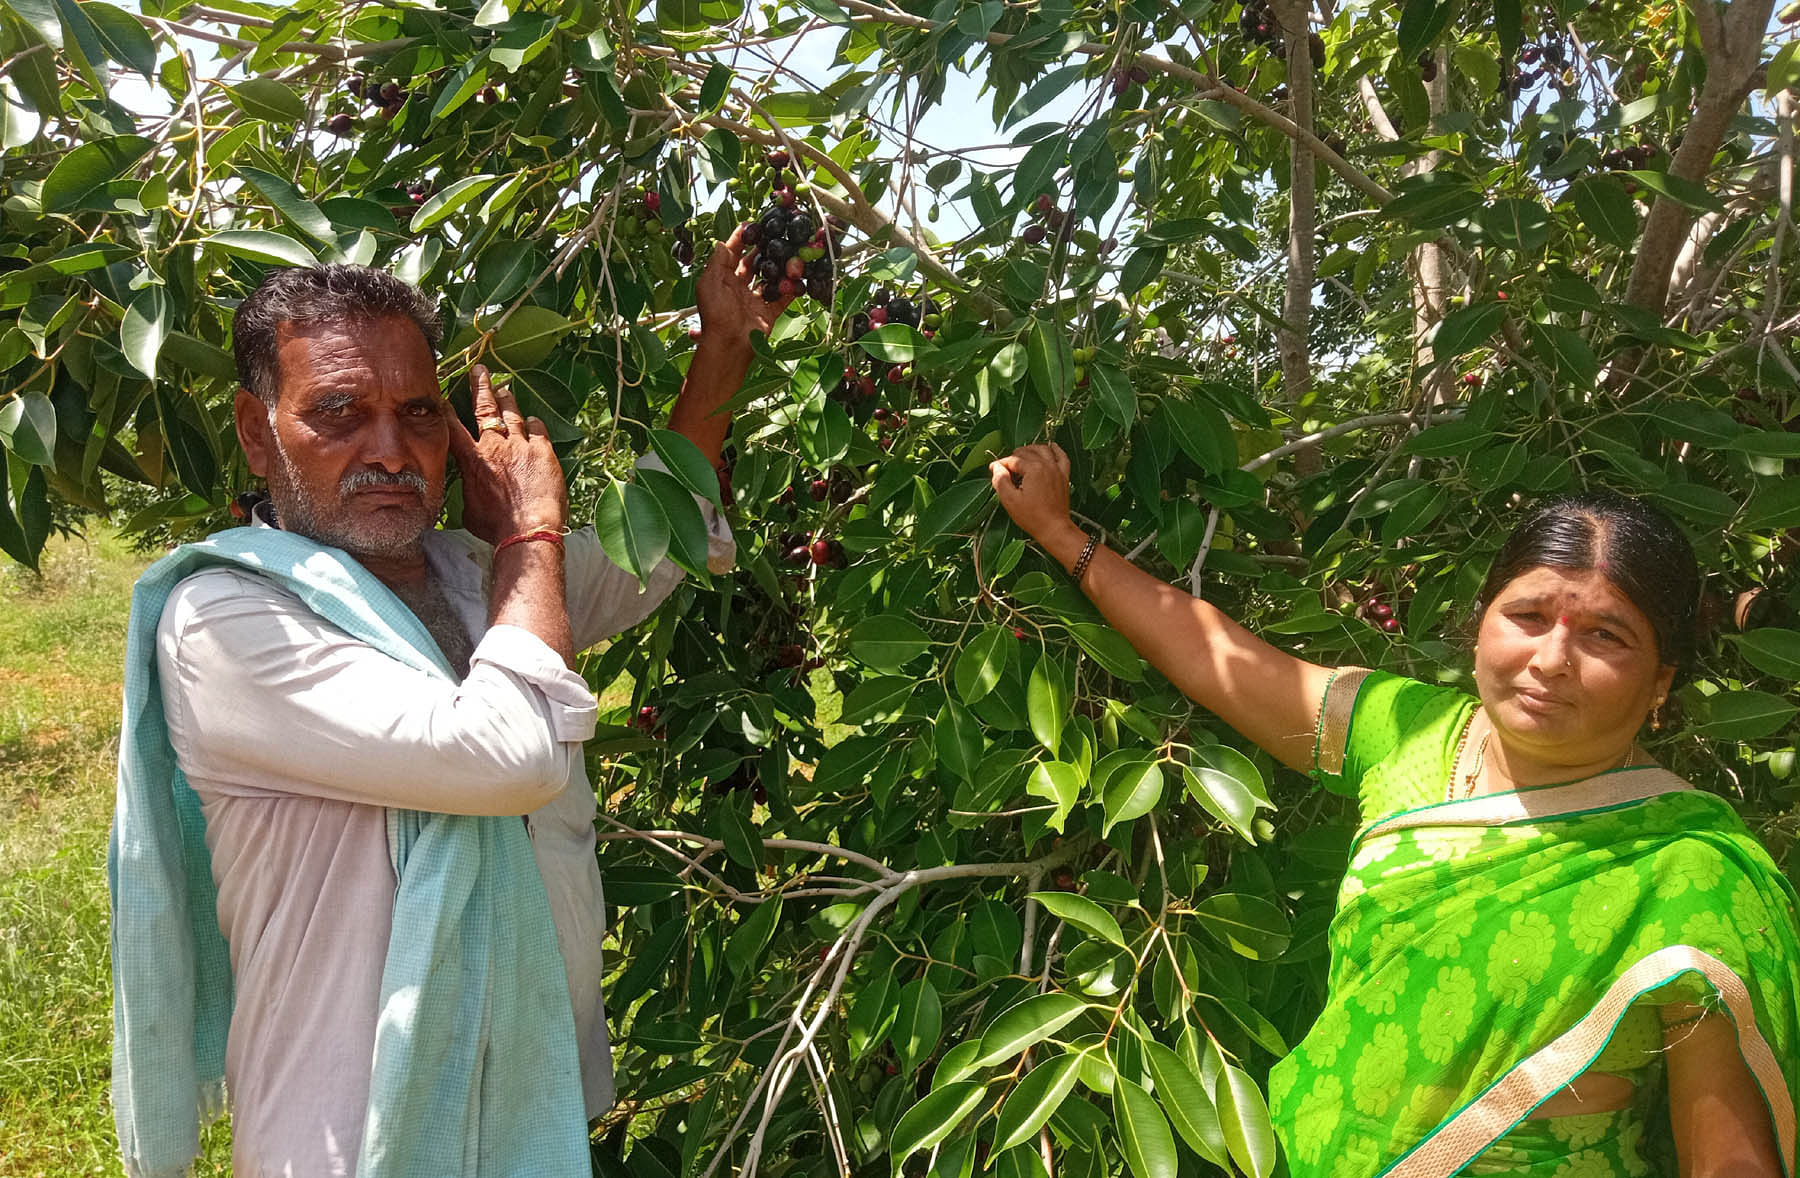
294,208
1186,1100
443,204
1566,352
1239,767
1202,432
1047,702
144,327
872,1014
1250,925
265,98
1461,331
982,663
887,642
1050,360
1037,1097
528,336
1606,210
879,699
688,546
1244,1116
633,530
742,844
746,945
1222,796
1773,651
1745,715
265,246
462,85
1144,1136
933,1119
958,740
687,464
88,169
1083,913
918,1023
1113,393
895,343
1059,782
1131,792
952,508
1775,505
1421,23
1025,1023
1684,192
28,427
1111,649
122,38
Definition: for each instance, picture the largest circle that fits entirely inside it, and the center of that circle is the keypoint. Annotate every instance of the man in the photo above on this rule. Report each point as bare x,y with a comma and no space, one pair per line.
360,768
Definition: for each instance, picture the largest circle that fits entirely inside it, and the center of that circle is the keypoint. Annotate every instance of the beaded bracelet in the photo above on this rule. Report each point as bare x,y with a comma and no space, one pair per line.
1086,557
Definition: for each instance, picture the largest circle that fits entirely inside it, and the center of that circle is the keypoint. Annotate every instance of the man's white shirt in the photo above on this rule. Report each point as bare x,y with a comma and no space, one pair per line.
298,738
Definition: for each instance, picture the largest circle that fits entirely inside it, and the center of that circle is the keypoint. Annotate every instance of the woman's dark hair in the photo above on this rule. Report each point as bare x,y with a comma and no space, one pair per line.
306,295
1632,544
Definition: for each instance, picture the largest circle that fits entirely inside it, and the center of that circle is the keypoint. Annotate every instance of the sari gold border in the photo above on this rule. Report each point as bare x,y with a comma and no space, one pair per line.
1510,1099
1556,801
1334,717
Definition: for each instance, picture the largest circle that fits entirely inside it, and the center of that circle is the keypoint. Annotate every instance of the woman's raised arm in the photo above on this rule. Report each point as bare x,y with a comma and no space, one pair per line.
1266,694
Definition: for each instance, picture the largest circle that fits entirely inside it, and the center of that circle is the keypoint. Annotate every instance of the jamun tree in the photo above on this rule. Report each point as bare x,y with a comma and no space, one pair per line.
914,864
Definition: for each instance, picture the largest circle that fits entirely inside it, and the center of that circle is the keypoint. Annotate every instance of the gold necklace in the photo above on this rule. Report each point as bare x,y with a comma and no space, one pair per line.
1451,792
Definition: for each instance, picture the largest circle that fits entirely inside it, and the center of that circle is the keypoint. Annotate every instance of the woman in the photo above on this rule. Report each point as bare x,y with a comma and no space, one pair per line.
1536,918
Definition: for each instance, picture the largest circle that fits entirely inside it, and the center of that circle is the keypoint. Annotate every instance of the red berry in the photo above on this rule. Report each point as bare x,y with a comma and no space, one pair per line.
924,396
1018,633
796,269
877,316
1391,625
652,202
1500,295
1032,235
489,95
866,385
1472,379
390,91
850,375
820,551
1063,880
897,374
818,489
340,124
789,288
1044,203
778,158
787,198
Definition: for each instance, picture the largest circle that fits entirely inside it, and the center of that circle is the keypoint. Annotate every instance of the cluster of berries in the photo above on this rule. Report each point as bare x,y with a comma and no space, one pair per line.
1123,80
648,719
1380,614
386,95
792,251
1624,158
798,550
1053,220
884,307
1259,23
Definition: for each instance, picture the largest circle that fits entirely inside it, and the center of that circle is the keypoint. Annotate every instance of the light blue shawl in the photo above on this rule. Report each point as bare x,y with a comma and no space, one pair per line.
475,1069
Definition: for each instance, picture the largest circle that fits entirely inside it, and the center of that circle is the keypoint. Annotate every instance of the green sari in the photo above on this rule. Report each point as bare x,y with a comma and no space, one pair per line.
1486,952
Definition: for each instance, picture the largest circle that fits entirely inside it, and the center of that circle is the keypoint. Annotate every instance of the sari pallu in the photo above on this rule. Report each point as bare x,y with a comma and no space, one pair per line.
1484,952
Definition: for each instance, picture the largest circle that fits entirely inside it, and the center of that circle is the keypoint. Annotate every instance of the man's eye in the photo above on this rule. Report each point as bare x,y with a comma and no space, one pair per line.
335,412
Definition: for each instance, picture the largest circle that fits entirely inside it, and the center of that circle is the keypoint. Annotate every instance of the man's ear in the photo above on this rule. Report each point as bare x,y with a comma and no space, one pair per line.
254,431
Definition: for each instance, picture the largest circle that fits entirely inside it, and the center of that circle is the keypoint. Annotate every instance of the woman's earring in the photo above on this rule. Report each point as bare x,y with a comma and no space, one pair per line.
1656,715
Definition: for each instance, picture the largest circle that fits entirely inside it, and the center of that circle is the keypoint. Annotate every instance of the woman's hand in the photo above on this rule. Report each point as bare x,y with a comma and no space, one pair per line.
511,480
1033,485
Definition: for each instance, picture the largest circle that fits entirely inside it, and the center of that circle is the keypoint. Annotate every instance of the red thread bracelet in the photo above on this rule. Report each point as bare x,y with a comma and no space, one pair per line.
552,535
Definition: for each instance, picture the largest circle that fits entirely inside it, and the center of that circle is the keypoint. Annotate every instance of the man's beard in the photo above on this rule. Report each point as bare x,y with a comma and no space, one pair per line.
385,537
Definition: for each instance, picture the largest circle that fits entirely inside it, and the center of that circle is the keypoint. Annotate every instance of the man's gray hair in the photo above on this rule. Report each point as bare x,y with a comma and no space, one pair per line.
309,295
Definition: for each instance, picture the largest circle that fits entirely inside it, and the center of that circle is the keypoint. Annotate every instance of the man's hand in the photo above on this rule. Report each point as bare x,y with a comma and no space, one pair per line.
730,297
1033,485
511,480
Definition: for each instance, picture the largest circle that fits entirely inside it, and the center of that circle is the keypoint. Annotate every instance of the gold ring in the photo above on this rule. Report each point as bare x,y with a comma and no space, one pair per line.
488,423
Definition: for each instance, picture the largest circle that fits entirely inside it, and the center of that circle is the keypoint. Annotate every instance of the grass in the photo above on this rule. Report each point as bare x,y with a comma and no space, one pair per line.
62,640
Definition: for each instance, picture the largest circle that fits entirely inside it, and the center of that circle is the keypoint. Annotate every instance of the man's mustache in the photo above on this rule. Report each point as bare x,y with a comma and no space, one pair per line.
356,480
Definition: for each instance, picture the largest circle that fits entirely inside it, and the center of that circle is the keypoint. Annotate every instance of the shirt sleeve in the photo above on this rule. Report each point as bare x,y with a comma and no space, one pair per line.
262,695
